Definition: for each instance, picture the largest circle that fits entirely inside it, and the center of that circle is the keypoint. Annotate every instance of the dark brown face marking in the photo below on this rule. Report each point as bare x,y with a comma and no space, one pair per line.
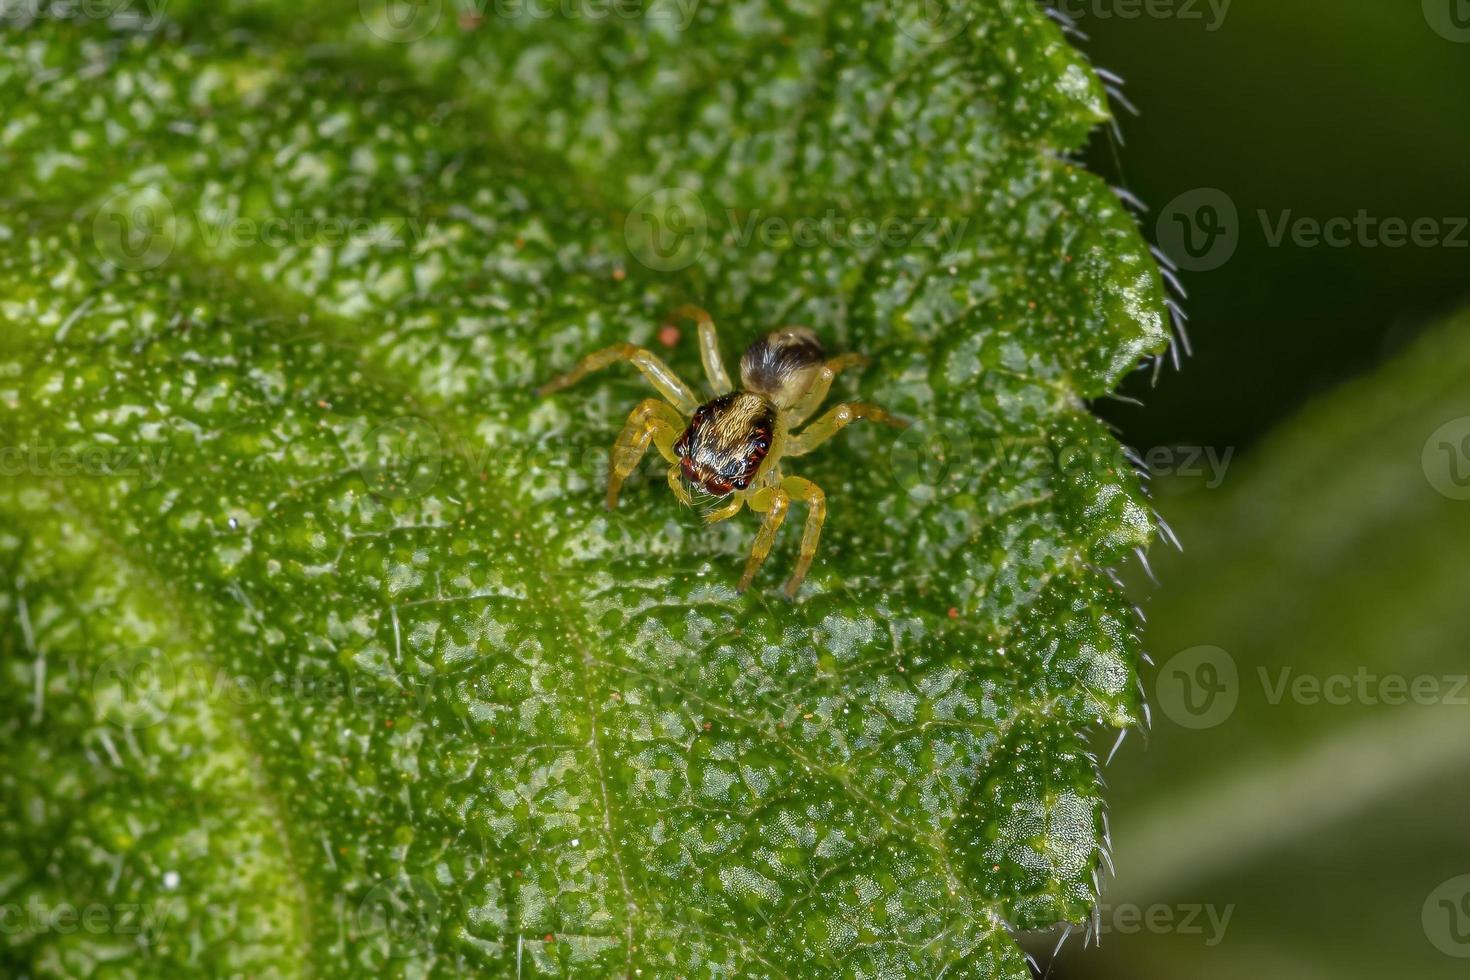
726,441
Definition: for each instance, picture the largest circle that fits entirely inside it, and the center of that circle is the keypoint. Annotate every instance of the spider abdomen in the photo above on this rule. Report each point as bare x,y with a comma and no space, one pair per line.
782,364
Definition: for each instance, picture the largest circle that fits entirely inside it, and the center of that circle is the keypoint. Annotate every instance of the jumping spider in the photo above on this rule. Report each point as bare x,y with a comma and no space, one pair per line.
732,445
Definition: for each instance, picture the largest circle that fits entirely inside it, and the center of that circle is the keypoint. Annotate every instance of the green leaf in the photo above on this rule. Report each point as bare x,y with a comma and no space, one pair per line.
1311,696
319,645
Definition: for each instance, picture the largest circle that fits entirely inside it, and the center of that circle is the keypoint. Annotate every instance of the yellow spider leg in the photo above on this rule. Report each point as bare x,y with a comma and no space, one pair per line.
652,421
659,374
773,502
726,512
816,514
835,421
709,347
817,394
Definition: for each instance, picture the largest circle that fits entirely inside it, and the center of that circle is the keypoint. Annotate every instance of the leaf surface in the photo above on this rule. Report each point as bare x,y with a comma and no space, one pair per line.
318,641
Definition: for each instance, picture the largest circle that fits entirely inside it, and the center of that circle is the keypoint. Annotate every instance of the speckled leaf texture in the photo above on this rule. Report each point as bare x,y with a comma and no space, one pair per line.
321,655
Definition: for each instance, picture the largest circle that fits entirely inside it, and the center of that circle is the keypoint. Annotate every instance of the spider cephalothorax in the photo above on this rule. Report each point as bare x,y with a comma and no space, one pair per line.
731,446
727,440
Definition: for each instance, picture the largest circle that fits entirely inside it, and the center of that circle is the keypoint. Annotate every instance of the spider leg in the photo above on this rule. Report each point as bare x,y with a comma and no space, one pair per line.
817,394
816,513
837,419
709,347
659,374
652,421
726,512
773,502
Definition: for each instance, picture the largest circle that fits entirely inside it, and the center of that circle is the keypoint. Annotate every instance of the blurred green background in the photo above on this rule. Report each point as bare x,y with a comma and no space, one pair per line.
1301,807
